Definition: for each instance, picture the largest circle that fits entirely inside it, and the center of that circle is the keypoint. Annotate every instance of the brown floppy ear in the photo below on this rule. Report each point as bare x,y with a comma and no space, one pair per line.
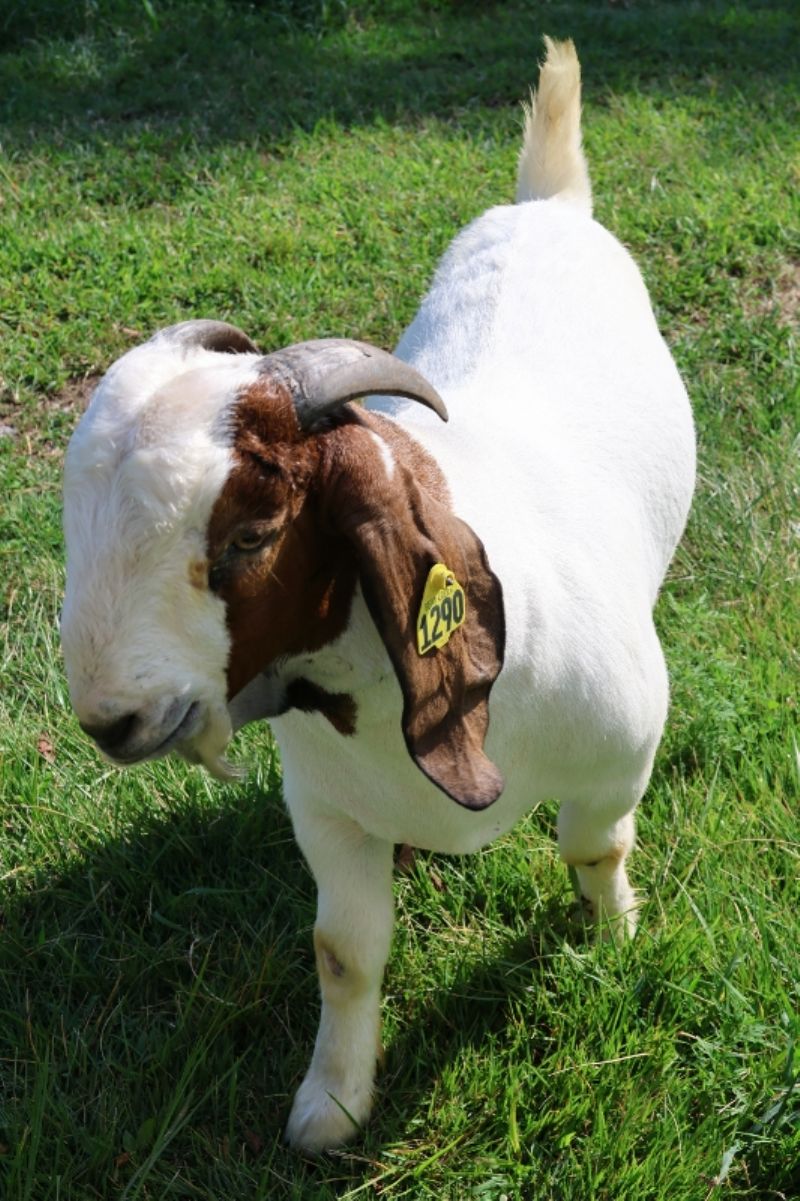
398,531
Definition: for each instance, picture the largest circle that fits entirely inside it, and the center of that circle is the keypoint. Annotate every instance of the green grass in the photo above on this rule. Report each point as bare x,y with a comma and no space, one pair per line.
298,168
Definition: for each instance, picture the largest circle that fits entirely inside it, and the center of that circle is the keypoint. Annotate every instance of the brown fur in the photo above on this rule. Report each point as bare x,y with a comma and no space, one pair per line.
338,707
293,596
399,530
326,959
198,573
334,518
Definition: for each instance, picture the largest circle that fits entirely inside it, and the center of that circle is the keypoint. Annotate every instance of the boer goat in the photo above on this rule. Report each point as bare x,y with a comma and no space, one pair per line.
244,543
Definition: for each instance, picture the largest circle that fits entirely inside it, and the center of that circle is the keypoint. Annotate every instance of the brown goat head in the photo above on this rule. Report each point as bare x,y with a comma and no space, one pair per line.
308,512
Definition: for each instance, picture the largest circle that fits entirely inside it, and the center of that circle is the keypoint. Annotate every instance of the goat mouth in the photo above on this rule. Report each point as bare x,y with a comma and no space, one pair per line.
187,725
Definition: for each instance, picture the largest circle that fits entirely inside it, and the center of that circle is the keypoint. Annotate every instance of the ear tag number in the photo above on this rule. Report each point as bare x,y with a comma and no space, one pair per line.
442,611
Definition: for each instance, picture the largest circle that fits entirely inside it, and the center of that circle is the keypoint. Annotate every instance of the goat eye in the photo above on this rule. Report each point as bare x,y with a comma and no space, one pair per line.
251,539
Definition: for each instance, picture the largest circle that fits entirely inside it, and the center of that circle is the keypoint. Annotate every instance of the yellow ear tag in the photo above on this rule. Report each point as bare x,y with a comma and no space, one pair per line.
442,611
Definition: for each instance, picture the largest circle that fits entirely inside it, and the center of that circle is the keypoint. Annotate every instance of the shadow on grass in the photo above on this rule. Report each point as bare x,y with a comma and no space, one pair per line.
220,71
163,988
158,1007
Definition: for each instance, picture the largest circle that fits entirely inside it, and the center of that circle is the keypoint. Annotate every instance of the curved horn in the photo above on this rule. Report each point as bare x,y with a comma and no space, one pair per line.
211,335
324,374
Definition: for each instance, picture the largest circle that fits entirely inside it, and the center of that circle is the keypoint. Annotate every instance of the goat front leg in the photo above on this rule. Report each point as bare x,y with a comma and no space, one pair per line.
352,936
597,845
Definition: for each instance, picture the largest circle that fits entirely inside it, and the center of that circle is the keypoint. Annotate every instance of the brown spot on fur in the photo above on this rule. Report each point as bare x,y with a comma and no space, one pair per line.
333,965
327,961
198,573
339,707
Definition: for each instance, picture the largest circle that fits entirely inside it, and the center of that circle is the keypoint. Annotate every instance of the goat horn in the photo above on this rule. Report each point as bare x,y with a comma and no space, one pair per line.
211,335
324,374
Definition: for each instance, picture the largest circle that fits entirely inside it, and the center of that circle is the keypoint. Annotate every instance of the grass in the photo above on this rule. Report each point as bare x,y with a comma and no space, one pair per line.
298,169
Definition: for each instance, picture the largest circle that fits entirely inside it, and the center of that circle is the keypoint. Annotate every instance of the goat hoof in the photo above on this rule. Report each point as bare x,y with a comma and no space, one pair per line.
608,927
614,927
321,1120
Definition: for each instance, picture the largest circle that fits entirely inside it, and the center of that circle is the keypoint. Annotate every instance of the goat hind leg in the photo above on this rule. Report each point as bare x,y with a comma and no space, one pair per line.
597,845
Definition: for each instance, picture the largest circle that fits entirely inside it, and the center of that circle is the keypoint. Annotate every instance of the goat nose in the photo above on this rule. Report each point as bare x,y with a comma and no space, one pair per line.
111,735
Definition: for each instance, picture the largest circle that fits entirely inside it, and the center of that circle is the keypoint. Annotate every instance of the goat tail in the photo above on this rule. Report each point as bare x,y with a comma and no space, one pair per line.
551,161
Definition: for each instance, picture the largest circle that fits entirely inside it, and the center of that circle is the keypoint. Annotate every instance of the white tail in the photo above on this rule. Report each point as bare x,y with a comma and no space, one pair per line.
551,161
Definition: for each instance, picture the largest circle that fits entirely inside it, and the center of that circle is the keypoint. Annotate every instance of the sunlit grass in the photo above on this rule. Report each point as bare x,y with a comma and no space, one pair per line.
300,174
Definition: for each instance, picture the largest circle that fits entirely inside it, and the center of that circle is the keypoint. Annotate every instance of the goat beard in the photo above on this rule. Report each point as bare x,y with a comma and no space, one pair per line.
208,745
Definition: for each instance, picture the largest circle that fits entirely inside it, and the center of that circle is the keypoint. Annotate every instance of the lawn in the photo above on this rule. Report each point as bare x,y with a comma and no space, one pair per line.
298,168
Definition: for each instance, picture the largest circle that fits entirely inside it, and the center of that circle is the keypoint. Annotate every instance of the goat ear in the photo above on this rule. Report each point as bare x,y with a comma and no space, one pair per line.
398,534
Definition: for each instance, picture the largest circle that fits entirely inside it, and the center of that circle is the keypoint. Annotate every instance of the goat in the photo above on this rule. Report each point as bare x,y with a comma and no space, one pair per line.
244,543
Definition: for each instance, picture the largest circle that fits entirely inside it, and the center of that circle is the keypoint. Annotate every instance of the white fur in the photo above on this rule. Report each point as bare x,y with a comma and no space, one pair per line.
143,470
387,458
570,451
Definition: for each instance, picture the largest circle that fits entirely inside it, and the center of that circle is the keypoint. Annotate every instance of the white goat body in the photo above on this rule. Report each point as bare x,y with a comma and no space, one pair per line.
570,453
